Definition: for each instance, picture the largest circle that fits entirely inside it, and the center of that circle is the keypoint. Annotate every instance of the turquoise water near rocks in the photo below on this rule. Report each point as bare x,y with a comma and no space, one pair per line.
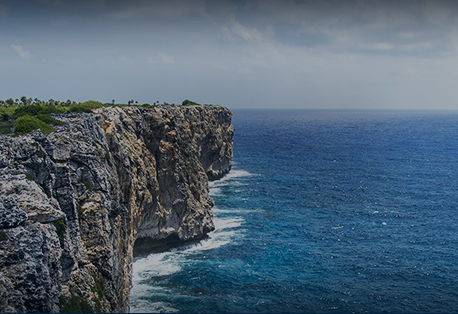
323,211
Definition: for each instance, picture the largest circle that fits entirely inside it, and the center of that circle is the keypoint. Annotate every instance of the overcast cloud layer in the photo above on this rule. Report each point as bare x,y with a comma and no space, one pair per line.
240,54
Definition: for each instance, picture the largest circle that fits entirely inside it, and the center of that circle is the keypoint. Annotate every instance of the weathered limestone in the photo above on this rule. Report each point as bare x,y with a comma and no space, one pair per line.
75,202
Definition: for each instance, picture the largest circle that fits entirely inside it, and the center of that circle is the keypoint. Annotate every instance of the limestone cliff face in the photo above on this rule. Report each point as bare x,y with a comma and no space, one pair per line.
75,202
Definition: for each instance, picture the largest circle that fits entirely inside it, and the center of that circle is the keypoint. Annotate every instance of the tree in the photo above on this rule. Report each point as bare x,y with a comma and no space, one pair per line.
10,102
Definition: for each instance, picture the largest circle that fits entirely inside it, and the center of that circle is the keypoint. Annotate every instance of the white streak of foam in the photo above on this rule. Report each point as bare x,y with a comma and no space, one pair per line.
231,175
168,263
148,307
214,191
227,223
162,264
233,211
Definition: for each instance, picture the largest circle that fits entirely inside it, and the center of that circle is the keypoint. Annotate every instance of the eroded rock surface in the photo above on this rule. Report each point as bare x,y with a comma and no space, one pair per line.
75,202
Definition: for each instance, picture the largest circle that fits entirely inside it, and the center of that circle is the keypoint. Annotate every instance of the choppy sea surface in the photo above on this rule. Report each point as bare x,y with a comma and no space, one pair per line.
323,211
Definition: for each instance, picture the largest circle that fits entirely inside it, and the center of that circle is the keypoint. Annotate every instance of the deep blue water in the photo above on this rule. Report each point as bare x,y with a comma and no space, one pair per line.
324,211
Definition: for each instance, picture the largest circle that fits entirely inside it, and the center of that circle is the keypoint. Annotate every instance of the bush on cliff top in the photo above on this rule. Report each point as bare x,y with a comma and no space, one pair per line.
187,102
33,110
47,119
86,106
27,124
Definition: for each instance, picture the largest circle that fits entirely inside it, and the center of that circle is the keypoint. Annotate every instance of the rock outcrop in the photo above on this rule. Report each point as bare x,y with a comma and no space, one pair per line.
75,204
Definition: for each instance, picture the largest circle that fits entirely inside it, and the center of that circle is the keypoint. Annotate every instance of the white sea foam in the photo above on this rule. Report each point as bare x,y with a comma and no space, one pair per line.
171,262
145,268
164,264
208,244
232,210
143,306
168,263
214,191
230,176
221,224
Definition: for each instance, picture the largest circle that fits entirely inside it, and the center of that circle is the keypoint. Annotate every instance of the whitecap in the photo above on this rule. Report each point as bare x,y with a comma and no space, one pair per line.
231,175
227,223
208,244
214,191
232,211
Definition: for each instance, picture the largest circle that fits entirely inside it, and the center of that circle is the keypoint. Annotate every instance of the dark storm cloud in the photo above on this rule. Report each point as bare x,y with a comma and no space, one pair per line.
239,53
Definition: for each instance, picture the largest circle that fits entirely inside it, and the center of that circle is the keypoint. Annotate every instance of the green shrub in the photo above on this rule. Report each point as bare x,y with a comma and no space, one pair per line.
99,286
30,177
79,109
79,211
52,109
6,127
107,157
86,182
27,124
47,119
31,110
77,305
86,106
41,152
61,227
3,236
188,103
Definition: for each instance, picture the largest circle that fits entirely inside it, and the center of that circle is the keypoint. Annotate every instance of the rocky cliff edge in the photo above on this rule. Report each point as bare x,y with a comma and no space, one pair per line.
75,204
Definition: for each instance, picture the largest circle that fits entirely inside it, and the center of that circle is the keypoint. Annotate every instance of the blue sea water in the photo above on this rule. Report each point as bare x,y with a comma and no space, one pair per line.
323,211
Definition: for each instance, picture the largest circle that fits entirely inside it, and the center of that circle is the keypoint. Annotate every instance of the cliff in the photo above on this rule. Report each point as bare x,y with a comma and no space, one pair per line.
77,203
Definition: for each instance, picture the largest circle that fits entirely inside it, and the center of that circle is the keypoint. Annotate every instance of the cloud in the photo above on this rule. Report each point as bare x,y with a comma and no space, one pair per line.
23,54
148,9
245,33
163,58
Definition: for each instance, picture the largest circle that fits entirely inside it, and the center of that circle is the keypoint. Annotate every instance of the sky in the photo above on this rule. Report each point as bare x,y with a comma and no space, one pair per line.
240,54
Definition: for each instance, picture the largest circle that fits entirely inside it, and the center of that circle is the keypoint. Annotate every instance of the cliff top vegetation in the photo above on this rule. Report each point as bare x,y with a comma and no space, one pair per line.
21,116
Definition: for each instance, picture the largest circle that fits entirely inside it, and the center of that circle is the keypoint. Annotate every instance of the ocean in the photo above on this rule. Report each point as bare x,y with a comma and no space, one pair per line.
323,211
